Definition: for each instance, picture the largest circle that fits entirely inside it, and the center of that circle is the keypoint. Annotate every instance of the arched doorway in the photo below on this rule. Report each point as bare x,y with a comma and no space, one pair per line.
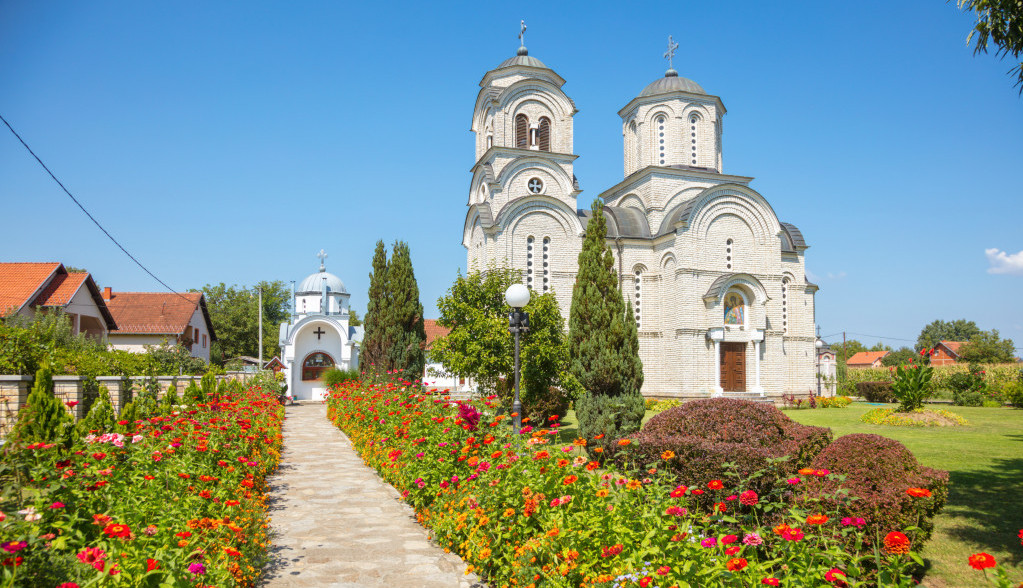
315,364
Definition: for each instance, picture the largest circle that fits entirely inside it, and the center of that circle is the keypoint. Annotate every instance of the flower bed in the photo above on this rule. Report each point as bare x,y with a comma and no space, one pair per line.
526,510
176,500
917,418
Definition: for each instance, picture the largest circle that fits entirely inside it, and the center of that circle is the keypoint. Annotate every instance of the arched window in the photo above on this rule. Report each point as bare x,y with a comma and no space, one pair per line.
544,134
529,262
315,364
546,264
490,137
693,130
636,302
735,309
728,254
521,131
659,136
785,305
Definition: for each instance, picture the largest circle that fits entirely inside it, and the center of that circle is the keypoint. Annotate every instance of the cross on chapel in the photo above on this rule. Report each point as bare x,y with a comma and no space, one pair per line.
535,186
322,255
319,332
522,33
670,53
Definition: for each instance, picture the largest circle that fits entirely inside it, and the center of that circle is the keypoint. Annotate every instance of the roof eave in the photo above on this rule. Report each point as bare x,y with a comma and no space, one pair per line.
638,100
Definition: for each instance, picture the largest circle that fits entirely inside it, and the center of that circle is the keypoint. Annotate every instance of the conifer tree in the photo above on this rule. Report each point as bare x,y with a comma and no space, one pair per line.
193,394
373,350
170,400
101,418
44,419
404,330
603,341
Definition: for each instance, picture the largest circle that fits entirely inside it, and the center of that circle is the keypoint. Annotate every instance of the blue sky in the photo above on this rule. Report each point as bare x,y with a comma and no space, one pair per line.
229,142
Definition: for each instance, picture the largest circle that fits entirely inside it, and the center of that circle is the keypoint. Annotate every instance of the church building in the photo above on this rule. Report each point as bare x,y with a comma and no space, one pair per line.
717,282
318,337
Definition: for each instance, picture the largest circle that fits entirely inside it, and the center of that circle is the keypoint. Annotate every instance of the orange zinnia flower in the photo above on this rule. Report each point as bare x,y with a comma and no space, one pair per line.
668,454
580,442
553,532
896,543
602,492
624,442
816,519
633,484
919,492
735,564
569,479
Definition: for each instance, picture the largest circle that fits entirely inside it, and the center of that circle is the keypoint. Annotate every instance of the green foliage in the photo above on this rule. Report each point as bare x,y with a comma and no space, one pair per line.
193,395
480,346
209,387
404,324
1001,23
968,387
44,419
1013,393
603,342
100,418
902,356
910,386
146,401
234,312
876,391
334,376
939,330
353,318
850,348
169,400
988,347
374,344
611,416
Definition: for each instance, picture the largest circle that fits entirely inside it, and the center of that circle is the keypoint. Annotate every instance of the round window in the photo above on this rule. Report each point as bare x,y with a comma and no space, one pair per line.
535,185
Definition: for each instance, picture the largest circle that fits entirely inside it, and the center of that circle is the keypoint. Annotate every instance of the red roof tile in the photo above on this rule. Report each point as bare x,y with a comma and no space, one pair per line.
153,312
953,346
20,283
866,357
434,331
61,289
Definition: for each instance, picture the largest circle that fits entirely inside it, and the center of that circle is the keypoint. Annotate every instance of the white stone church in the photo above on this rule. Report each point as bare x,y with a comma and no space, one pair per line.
717,282
318,337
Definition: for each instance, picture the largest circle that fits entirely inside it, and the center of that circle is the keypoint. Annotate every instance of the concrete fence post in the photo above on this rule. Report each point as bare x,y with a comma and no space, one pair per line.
13,395
71,390
120,391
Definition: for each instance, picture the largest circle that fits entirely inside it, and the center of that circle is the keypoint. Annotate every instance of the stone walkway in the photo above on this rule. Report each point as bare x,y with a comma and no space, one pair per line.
336,523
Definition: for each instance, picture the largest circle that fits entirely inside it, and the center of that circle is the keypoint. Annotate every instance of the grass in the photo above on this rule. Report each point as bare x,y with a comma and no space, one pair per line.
985,504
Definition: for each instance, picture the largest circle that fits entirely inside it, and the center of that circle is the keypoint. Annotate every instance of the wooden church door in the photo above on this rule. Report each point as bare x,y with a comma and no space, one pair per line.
733,367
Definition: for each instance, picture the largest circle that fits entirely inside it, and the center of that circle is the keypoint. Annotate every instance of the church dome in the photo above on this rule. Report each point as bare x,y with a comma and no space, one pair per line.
314,283
671,82
523,58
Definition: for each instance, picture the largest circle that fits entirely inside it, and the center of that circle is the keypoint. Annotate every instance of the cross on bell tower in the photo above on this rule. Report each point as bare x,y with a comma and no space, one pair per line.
670,53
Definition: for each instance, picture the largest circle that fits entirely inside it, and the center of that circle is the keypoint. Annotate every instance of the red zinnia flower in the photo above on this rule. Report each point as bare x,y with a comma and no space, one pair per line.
835,576
715,485
918,492
117,531
645,581
896,543
770,582
979,561
152,564
735,564
749,498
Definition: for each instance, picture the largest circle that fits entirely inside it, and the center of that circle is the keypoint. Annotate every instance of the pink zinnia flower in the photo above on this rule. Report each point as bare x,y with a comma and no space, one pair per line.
709,542
752,539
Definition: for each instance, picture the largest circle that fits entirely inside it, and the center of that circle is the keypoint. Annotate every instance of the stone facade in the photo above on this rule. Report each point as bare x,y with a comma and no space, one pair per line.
717,282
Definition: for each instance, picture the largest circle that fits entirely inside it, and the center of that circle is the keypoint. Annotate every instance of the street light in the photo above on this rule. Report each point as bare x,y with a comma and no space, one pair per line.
517,296
818,343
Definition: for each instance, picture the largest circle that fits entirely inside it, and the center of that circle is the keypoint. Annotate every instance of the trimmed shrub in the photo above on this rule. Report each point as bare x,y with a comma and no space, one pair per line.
611,416
335,376
101,418
170,400
879,471
1013,393
706,434
44,419
968,388
876,391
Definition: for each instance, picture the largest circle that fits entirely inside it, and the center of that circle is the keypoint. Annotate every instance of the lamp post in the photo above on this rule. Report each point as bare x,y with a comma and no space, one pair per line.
517,296
818,344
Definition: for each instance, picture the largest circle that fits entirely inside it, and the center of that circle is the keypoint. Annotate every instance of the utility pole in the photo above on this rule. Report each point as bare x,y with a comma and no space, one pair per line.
260,289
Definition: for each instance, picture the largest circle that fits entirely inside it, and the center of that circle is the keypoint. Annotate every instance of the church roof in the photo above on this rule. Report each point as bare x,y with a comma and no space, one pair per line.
671,82
794,237
527,60
313,284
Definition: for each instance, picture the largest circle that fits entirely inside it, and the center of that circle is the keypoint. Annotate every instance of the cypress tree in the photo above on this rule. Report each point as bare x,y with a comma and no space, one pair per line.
603,341
44,419
170,400
101,417
373,349
404,332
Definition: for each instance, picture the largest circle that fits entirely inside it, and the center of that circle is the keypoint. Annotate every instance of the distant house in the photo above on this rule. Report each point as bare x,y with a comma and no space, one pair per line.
436,376
866,359
30,288
150,318
946,352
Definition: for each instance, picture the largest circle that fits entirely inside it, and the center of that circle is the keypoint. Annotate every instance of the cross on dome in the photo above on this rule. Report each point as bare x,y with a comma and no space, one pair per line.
322,255
522,33
670,53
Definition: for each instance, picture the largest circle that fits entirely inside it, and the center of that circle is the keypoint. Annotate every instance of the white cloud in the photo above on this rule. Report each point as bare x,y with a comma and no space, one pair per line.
837,276
812,276
1004,263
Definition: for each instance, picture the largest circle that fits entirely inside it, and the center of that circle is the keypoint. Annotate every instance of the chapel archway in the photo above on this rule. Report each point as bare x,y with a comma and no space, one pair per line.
315,364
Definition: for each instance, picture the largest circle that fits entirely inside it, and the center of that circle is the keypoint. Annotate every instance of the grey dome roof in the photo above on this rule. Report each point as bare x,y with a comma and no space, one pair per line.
671,82
314,283
522,58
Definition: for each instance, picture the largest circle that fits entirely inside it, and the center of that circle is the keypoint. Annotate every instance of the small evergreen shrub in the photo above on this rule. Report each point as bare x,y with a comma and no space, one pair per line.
879,471
706,434
170,400
44,418
209,386
876,391
100,418
335,376
611,416
968,388
194,394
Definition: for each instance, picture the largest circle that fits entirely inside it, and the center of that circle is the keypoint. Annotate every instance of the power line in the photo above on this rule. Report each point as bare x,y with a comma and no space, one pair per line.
93,219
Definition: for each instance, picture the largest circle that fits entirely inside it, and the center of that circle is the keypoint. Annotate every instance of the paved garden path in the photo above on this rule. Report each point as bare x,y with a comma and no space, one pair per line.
336,523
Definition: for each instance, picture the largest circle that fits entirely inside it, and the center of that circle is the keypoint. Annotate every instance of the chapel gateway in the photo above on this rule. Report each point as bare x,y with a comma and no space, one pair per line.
717,283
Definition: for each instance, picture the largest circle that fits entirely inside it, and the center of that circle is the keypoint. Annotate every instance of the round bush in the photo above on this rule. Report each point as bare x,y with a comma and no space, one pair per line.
706,434
878,471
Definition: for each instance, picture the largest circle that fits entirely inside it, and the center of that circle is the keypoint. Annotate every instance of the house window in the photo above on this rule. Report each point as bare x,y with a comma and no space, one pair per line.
204,341
546,264
315,364
529,262
544,134
521,131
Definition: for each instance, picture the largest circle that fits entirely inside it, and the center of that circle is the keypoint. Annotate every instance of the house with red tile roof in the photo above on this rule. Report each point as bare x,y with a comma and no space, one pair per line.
866,359
946,352
153,318
435,375
28,288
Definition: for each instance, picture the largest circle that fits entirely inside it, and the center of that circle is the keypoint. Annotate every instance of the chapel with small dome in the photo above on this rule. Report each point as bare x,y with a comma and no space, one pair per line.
716,281
318,337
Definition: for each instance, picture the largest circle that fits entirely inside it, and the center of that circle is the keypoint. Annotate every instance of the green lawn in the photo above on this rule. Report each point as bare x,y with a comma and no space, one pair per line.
985,504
